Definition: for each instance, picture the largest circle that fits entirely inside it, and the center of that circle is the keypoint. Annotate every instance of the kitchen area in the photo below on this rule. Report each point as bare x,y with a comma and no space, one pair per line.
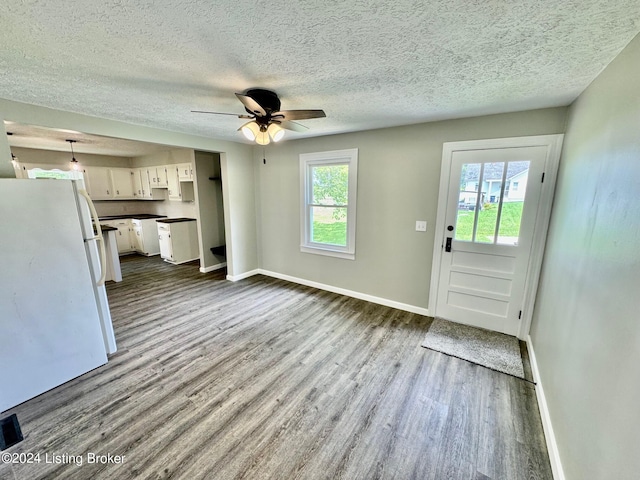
64,241
150,199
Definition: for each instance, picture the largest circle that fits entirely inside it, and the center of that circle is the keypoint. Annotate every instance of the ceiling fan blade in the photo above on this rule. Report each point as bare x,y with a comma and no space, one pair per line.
251,105
296,127
222,113
299,114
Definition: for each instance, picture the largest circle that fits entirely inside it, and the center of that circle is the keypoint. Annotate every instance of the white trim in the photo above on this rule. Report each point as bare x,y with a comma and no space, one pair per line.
242,276
552,445
213,267
340,157
330,288
327,251
554,146
540,233
349,293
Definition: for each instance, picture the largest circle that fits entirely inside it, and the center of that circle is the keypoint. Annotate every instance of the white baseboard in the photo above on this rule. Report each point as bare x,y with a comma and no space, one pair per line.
213,267
330,288
242,276
552,446
349,293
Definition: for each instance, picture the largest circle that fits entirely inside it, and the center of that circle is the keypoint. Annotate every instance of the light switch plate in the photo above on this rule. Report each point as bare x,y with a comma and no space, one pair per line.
421,226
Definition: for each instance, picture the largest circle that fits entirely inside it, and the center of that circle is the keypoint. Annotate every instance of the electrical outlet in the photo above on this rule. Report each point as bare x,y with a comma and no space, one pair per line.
421,226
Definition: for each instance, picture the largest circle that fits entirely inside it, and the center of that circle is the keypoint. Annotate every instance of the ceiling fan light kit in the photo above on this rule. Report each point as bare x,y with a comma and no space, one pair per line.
250,130
268,121
275,132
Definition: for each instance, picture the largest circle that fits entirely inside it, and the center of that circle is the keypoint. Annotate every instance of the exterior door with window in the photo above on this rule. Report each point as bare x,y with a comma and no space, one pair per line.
490,215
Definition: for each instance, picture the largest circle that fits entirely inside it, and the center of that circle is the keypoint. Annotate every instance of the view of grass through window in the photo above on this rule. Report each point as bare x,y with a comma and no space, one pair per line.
329,204
487,217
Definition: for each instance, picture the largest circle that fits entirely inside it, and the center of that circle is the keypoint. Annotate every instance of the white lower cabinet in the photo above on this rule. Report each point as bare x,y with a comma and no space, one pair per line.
123,235
178,239
145,236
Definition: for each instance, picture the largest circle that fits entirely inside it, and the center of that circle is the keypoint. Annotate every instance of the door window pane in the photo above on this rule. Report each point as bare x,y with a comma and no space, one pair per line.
467,202
490,202
511,215
489,205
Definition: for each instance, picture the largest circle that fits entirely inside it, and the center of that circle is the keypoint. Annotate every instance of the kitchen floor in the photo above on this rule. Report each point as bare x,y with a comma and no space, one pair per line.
265,379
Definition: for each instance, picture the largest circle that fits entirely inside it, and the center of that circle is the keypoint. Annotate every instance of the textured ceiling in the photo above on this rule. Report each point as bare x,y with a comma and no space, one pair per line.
30,136
368,64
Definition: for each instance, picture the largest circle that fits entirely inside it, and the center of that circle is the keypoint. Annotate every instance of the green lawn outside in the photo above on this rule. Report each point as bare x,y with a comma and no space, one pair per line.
509,222
334,233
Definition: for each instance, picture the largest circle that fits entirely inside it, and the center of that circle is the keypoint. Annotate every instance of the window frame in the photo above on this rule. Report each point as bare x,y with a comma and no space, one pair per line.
307,162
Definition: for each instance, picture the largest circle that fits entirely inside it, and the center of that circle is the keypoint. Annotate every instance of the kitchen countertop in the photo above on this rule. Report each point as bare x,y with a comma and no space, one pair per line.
175,220
140,216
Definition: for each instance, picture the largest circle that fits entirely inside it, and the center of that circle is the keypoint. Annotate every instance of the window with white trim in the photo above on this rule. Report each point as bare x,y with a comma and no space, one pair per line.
328,184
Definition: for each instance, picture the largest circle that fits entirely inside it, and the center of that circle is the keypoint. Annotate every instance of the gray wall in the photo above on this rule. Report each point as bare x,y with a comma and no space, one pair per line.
585,332
210,207
398,177
239,202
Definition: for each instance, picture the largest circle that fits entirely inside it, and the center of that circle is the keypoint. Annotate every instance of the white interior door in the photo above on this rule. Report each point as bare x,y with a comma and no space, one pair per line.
488,215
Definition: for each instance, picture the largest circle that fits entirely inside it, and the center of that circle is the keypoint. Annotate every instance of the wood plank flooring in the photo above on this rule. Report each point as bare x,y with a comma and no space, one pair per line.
264,379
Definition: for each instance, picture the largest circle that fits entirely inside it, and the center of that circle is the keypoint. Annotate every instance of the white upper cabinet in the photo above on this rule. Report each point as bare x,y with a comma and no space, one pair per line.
123,184
99,183
163,179
185,172
173,179
138,191
145,178
158,176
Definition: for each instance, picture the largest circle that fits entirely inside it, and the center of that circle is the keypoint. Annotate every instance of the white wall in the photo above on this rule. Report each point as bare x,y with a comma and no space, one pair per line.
398,177
586,328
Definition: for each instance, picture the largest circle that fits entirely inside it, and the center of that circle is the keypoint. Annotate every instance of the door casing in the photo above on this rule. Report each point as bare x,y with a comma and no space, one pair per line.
553,144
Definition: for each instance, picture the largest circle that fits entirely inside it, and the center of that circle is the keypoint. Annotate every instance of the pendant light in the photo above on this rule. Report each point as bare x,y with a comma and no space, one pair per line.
73,164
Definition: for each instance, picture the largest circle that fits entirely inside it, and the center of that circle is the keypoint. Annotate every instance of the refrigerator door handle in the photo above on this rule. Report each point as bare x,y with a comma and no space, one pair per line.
103,255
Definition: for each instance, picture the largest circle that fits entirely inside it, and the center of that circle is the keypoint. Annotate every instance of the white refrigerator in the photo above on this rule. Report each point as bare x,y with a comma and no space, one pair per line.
55,323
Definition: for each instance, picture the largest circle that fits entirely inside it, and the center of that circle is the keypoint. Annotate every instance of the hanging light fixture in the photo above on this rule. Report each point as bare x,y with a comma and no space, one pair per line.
73,164
275,132
250,130
262,134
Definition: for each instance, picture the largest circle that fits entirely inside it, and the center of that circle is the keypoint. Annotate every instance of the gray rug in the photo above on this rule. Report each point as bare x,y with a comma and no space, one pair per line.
489,349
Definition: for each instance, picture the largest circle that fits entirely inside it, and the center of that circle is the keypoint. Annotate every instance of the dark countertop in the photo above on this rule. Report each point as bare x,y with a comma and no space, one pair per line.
140,216
175,220
104,228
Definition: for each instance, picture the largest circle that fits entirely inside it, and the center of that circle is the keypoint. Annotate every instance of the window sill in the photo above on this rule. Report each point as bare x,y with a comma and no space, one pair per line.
328,252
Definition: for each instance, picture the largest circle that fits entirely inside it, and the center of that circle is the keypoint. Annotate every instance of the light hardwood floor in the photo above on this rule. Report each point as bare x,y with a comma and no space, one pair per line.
265,379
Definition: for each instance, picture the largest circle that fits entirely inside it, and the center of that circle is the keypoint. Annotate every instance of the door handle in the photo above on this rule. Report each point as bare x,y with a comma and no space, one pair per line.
447,247
98,237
